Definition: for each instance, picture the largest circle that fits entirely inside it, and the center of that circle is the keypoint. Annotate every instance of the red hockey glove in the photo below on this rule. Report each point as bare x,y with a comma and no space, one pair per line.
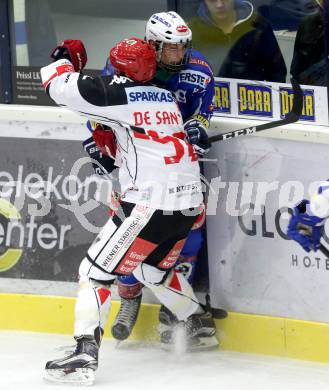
105,140
74,51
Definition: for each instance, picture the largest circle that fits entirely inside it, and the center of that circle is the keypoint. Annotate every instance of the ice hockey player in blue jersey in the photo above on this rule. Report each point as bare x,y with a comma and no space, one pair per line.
186,73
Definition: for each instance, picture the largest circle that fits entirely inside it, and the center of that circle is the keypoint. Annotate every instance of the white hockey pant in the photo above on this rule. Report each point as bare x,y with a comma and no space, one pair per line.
109,252
174,292
94,297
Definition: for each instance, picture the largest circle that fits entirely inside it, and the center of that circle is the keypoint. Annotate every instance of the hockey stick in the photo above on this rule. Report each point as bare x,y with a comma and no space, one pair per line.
292,117
324,250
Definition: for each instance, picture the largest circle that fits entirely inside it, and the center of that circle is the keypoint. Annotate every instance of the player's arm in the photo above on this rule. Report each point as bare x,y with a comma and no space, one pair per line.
71,89
65,84
108,70
307,221
196,127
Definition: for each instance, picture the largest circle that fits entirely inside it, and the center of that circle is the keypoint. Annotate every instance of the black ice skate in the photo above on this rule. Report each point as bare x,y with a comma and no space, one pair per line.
78,367
201,332
126,318
167,322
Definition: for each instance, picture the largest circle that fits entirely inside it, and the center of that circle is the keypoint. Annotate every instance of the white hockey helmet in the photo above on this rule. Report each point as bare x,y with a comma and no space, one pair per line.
168,27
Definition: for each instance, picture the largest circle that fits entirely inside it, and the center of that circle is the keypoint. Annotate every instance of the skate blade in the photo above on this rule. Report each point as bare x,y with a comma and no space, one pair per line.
81,376
198,344
203,344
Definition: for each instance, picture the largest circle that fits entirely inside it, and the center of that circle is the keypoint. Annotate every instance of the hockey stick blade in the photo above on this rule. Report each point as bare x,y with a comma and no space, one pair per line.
292,117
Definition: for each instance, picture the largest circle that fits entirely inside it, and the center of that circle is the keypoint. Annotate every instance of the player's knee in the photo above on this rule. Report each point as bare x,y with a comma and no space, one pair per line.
174,279
149,276
94,276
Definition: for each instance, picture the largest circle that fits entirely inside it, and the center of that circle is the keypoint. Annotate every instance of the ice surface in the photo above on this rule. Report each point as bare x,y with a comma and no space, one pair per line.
138,366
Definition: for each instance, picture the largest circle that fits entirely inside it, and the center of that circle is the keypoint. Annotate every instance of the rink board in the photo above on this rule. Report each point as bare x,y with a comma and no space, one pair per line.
253,265
266,332
238,332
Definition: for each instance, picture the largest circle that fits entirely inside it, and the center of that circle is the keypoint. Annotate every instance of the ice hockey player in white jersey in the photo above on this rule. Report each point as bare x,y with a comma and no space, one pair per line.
309,216
185,72
161,194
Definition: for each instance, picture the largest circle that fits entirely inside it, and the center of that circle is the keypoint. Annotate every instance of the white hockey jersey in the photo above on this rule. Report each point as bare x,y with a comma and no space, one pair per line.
159,168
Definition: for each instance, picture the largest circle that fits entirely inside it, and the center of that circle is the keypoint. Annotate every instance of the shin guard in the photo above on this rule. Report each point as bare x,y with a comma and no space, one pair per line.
92,309
174,291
